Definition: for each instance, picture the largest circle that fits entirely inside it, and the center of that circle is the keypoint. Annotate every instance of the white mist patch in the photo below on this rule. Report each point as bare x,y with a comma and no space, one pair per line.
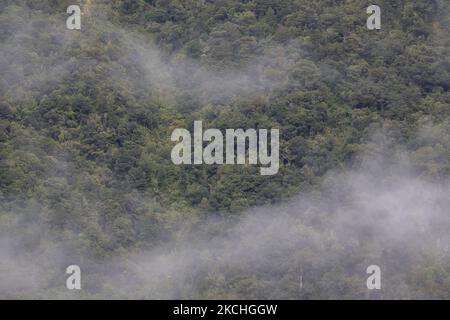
381,214
358,219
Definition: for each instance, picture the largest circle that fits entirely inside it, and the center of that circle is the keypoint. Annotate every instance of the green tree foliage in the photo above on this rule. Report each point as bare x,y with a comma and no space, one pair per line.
85,124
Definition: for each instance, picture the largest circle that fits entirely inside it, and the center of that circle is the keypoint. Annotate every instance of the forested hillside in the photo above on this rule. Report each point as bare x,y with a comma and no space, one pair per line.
86,176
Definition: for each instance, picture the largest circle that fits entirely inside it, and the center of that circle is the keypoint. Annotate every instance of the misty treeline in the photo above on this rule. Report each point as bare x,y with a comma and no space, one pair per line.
86,176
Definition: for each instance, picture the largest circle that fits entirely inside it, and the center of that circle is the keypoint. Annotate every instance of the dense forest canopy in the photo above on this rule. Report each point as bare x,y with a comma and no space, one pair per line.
86,176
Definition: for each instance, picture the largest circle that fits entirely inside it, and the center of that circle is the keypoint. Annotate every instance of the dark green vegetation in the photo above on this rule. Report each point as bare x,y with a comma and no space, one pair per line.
86,118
